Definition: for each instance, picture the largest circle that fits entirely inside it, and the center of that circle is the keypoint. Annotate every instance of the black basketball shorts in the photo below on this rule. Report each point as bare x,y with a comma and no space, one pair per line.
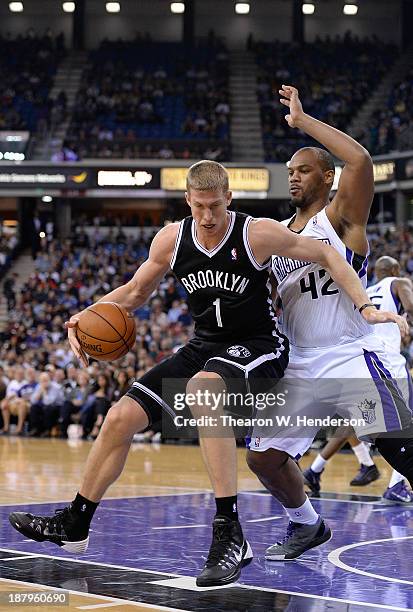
262,358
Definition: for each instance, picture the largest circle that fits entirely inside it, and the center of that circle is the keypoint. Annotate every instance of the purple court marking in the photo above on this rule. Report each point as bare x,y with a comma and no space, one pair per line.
124,533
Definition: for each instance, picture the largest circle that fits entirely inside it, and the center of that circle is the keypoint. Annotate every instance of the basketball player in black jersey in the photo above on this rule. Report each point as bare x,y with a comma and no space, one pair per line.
222,260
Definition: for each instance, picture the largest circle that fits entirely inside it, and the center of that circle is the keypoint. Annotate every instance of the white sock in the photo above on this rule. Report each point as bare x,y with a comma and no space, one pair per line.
395,478
363,454
304,514
318,464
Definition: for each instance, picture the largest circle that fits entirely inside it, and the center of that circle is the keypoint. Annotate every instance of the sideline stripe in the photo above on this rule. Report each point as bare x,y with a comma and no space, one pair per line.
28,556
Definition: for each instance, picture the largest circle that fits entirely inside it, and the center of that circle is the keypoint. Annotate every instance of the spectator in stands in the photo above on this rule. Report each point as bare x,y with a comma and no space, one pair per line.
166,152
12,404
25,394
9,290
46,402
174,312
77,405
185,318
122,385
85,401
102,402
66,153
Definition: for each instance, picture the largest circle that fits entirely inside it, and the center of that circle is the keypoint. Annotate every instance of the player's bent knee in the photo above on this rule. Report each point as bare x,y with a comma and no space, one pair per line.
125,418
201,386
199,377
205,380
269,460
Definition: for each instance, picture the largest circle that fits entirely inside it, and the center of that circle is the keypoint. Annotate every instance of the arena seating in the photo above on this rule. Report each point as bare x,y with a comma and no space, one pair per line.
334,77
391,128
147,99
27,66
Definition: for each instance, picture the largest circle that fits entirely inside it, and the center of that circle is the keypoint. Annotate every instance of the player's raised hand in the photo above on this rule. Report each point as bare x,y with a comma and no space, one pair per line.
289,97
374,316
74,342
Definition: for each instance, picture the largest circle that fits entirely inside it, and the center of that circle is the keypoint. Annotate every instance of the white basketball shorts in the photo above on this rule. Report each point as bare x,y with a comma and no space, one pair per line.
355,382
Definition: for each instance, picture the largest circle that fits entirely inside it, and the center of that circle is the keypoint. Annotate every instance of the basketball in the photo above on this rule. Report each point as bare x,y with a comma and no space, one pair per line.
106,331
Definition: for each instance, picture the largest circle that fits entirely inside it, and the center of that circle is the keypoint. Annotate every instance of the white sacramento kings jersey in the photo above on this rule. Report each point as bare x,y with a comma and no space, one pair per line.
382,296
315,311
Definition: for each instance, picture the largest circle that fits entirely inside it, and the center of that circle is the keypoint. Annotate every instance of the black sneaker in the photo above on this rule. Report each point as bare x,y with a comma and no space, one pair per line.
365,475
298,539
59,529
229,552
312,480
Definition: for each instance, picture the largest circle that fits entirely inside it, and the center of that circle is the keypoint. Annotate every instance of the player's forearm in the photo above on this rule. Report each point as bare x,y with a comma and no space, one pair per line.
130,296
341,145
344,276
405,295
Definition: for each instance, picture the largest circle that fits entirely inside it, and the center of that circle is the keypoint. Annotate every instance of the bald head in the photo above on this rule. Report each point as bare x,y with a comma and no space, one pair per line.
321,156
387,266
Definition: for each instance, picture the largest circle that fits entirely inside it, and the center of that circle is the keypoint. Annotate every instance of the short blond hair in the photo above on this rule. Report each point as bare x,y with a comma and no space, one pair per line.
207,175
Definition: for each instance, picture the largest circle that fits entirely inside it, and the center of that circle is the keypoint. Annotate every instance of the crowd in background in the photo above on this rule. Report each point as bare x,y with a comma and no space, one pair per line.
28,64
161,100
147,99
391,128
334,76
39,376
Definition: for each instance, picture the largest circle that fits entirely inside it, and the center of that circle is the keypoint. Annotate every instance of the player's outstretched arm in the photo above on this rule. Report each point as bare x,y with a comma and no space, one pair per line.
268,237
355,191
137,291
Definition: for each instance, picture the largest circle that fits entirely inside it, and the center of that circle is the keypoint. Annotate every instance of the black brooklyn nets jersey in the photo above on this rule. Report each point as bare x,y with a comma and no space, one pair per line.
229,294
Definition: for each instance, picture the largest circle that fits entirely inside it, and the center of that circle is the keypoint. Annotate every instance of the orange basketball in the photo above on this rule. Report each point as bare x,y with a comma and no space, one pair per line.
106,331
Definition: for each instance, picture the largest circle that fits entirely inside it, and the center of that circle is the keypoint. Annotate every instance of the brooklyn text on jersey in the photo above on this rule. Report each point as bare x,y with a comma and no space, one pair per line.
214,278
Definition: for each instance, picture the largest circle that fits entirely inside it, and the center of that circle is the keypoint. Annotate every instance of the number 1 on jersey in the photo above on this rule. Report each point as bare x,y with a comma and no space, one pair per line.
217,304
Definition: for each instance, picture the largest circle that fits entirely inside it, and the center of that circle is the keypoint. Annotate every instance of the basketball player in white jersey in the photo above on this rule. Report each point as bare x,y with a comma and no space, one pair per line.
329,342
393,293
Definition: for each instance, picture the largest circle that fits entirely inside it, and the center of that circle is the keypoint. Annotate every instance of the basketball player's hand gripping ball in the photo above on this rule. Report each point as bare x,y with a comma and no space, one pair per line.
104,331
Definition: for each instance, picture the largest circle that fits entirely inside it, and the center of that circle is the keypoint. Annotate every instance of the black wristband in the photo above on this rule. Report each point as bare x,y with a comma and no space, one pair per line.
366,306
